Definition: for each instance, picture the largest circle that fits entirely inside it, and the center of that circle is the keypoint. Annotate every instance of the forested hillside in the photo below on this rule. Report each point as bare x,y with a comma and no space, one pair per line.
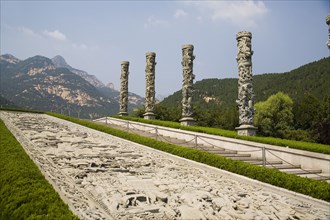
307,86
312,78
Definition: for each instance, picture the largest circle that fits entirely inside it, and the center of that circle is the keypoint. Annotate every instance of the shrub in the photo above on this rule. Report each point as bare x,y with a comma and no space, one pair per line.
298,135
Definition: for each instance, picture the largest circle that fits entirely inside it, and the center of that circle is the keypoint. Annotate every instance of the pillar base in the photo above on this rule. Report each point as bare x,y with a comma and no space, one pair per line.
149,116
122,113
187,121
246,130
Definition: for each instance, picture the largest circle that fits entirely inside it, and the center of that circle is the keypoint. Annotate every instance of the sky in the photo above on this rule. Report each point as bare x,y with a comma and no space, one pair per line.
95,36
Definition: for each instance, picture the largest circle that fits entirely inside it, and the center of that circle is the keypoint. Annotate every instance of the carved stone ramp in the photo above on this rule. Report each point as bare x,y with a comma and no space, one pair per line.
104,177
273,162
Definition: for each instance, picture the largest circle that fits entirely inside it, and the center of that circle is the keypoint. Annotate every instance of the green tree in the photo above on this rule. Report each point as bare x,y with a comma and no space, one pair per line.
307,116
306,112
274,115
166,113
323,126
138,112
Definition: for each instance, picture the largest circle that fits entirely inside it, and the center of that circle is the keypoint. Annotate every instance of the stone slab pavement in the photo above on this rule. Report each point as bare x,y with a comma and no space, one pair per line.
104,177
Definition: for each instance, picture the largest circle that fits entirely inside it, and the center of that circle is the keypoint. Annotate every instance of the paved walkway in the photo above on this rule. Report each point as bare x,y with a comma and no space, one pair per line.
104,177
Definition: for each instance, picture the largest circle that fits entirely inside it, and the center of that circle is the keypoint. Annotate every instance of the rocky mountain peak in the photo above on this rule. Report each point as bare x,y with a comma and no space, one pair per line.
38,62
110,86
59,61
9,58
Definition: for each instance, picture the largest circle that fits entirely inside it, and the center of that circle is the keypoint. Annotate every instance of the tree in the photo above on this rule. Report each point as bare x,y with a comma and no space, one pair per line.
167,113
274,115
324,124
307,116
306,112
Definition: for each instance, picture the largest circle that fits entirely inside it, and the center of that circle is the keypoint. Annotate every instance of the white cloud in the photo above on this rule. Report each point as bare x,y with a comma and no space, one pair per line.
153,22
237,12
57,35
28,31
180,13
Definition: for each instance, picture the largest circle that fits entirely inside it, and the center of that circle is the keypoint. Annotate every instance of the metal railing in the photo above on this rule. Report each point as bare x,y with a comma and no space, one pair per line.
199,139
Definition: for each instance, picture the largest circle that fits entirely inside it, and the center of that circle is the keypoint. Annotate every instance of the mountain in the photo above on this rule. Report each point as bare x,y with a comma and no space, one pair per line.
37,83
108,90
312,78
10,59
59,61
4,103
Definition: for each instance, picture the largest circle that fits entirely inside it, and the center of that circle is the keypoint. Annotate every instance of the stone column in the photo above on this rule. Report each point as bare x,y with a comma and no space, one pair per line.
328,23
123,89
245,99
187,83
149,102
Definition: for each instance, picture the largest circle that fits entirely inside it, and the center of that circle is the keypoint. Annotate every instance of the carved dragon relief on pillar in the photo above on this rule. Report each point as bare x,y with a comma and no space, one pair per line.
123,87
188,80
150,82
245,99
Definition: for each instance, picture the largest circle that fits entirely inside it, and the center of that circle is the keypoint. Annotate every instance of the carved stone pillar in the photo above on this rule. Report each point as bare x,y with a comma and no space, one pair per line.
328,23
245,99
123,89
187,84
149,102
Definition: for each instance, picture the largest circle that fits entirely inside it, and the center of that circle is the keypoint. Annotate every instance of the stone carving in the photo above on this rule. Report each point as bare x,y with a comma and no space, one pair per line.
123,88
245,88
188,80
328,23
104,177
150,85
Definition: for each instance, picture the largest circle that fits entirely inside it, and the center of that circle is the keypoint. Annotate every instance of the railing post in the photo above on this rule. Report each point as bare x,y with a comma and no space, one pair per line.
156,131
106,120
195,141
127,126
263,156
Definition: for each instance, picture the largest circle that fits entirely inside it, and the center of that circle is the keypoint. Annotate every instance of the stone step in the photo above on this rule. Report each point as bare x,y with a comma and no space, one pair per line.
259,162
222,152
244,158
232,154
321,177
202,147
170,139
317,176
300,171
206,148
283,166
228,152
236,155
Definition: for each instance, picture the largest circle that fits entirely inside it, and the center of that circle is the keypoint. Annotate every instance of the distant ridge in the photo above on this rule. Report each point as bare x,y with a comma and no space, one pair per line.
108,90
53,85
59,61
